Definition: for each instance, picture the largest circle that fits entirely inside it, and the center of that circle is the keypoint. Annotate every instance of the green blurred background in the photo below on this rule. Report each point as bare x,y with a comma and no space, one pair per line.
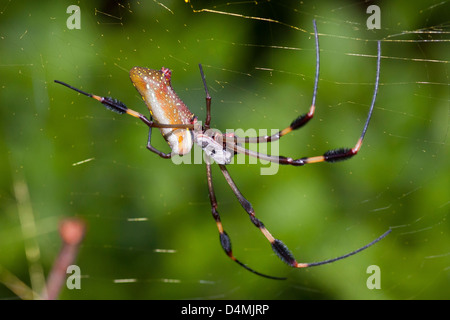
149,220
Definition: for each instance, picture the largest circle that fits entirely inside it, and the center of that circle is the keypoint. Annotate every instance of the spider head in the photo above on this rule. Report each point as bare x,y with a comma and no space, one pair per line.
212,144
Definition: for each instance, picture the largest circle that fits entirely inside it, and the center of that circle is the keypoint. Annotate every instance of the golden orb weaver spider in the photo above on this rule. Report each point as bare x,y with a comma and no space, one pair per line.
180,129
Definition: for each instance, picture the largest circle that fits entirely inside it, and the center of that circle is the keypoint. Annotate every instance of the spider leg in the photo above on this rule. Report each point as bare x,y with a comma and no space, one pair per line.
208,99
329,156
296,124
119,107
153,149
278,246
302,119
224,238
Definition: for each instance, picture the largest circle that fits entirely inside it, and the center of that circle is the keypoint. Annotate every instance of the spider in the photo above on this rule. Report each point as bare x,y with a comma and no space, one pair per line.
180,128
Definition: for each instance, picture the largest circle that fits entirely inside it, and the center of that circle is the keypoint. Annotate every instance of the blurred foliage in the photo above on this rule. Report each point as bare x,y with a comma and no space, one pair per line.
149,219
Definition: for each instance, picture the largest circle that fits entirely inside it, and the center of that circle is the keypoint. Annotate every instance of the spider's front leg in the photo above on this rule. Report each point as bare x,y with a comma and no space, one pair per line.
333,155
224,238
281,250
278,246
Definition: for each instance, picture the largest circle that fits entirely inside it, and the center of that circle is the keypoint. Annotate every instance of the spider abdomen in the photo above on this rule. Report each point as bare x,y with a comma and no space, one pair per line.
164,105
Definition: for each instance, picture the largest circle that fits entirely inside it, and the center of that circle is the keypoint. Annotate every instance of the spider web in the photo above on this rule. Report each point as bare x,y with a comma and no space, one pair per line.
150,234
